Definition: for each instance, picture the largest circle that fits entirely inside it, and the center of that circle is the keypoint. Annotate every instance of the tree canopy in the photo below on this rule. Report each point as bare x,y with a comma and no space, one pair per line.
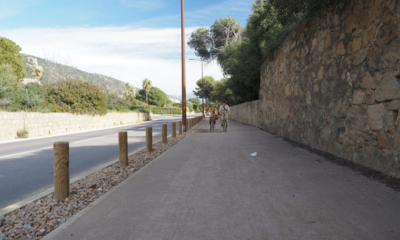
156,97
196,104
129,91
208,87
9,54
207,43
8,84
146,87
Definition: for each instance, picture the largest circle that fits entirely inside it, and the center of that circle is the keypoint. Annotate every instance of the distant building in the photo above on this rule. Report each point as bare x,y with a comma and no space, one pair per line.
174,100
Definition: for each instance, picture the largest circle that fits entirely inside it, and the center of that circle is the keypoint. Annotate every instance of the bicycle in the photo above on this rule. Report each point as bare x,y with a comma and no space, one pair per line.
224,122
212,119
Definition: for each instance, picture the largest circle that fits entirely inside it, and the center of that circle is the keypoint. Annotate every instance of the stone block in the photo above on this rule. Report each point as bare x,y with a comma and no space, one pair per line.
396,140
390,55
385,141
388,89
376,116
360,56
359,123
394,105
358,97
358,110
368,82
357,44
341,49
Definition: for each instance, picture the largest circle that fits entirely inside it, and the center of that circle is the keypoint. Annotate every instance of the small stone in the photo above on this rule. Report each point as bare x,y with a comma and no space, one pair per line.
93,186
59,221
18,226
27,226
99,189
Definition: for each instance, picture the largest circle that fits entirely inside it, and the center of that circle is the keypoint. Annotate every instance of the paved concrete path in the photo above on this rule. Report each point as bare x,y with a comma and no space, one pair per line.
209,187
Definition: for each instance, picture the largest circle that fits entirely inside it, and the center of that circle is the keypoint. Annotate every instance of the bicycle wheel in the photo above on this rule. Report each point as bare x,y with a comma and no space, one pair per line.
224,126
212,126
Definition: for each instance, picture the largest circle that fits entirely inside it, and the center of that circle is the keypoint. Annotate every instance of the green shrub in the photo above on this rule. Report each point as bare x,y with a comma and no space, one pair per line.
121,104
75,96
22,133
32,96
161,110
157,110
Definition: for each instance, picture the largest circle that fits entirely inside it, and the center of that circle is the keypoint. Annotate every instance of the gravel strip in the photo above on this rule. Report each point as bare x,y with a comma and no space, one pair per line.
44,215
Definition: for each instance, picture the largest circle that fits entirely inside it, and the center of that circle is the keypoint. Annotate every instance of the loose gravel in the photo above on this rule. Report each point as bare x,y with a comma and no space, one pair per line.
38,218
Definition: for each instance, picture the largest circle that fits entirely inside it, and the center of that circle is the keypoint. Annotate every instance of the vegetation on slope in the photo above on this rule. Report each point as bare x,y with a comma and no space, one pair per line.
241,51
58,88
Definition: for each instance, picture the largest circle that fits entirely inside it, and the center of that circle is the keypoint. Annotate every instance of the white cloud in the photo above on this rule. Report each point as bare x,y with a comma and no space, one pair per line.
126,53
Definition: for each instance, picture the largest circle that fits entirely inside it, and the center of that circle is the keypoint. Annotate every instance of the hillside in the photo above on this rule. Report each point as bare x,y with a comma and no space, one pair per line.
54,72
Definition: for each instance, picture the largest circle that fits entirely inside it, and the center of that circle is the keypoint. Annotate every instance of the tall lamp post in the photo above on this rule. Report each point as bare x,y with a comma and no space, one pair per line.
202,79
183,66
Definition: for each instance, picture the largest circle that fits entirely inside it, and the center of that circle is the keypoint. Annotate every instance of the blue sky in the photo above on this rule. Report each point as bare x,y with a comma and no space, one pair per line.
125,39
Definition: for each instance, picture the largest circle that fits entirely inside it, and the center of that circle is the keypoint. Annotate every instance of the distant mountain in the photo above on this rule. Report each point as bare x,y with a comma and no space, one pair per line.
55,72
188,96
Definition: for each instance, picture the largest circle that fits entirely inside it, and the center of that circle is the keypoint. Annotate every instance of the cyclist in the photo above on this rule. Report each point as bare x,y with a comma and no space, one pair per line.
213,109
224,108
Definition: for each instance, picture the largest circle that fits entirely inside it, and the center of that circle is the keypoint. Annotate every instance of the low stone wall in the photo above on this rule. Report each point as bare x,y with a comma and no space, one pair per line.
248,113
334,85
43,124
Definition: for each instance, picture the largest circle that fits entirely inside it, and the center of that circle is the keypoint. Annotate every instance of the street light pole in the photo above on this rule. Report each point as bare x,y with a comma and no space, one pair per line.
202,80
183,66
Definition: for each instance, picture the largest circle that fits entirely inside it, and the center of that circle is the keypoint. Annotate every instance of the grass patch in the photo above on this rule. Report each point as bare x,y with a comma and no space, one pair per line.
22,133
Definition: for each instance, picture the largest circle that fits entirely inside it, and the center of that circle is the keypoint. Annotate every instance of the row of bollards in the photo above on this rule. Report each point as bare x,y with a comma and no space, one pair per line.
61,154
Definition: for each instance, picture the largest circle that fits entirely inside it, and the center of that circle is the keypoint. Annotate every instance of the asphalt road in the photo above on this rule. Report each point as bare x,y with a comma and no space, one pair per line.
26,167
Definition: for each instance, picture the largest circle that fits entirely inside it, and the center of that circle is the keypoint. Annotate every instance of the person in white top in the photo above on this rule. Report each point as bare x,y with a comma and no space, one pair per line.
224,108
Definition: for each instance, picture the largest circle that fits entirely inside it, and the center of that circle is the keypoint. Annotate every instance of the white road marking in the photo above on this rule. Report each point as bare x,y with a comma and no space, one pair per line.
15,154
87,140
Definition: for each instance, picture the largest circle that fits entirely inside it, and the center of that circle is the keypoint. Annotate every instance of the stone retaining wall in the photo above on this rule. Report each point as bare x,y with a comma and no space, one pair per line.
248,113
43,124
334,85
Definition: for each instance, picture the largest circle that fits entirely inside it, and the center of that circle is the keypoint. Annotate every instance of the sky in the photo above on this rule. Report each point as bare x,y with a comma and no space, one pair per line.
126,39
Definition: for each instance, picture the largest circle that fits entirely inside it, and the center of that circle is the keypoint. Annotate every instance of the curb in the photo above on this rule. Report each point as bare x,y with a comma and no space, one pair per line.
74,218
70,133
